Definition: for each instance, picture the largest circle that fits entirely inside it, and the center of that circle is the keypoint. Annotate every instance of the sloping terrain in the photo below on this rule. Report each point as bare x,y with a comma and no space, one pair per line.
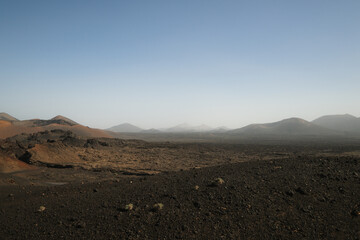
151,130
286,127
64,120
10,164
54,185
60,149
344,123
63,149
188,128
12,128
7,117
126,128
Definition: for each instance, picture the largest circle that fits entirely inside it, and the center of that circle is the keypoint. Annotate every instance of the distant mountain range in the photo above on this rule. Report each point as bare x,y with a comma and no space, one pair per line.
323,126
188,128
181,128
286,127
125,128
331,125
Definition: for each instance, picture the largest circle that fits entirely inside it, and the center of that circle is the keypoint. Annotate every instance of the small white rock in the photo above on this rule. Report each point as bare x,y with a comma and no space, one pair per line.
41,209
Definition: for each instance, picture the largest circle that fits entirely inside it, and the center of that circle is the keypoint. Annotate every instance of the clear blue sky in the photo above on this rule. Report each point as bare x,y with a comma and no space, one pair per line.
160,63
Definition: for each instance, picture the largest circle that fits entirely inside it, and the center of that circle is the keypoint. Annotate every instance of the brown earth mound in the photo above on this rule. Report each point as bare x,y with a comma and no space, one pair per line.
11,164
7,117
10,129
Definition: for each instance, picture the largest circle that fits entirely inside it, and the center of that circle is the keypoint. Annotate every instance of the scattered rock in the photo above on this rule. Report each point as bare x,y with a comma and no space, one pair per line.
31,145
157,207
249,206
355,213
41,209
129,207
217,182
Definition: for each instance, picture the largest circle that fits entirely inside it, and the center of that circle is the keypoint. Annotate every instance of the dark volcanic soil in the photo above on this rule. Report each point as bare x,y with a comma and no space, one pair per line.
295,198
61,156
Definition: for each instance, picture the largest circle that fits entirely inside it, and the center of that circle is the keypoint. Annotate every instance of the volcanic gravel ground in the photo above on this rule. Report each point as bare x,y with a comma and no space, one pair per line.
281,199
49,151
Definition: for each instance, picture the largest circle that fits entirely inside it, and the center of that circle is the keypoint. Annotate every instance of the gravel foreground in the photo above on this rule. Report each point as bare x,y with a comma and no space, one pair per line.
304,198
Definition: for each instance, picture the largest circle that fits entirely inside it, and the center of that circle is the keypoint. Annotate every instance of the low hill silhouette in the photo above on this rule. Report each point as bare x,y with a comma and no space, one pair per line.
125,128
188,128
286,127
344,123
7,117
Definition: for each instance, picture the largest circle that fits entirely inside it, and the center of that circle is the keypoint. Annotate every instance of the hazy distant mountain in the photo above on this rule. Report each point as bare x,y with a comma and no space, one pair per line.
343,123
181,128
184,127
7,117
125,128
151,130
286,127
188,128
221,129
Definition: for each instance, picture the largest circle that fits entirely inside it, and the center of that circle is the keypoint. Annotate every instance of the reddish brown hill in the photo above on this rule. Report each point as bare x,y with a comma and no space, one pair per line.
10,164
12,128
7,117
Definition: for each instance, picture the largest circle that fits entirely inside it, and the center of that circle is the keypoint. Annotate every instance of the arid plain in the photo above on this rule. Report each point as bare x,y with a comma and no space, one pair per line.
60,179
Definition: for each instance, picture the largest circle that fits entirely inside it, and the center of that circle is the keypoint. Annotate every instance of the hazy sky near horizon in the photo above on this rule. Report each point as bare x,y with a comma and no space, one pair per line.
160,63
